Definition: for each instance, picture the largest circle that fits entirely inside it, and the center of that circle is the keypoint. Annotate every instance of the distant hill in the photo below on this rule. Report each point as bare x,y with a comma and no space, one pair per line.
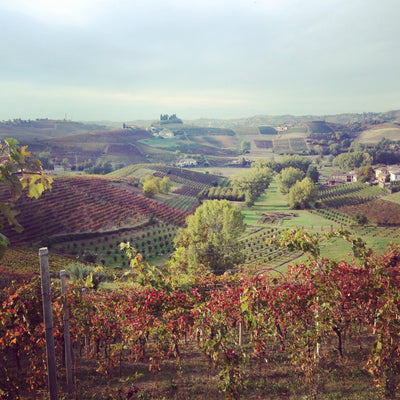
276,120
33,130
374,133
319,127
118,145
218,140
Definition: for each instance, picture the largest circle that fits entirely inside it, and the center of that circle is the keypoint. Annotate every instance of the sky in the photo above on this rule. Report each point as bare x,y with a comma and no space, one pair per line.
125,60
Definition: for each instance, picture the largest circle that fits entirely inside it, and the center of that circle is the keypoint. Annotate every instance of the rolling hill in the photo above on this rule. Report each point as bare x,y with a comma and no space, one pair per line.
87,204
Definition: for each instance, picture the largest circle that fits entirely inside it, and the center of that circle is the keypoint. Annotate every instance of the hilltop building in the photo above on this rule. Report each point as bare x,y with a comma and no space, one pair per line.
186,162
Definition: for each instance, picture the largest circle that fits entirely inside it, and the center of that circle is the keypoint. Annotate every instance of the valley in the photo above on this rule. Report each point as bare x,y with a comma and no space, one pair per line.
146,323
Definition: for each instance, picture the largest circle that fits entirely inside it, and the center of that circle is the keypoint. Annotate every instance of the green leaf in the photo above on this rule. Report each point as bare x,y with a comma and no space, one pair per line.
11,142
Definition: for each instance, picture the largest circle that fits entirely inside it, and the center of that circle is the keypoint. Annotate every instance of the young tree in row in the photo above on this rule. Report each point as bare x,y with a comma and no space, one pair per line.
211,237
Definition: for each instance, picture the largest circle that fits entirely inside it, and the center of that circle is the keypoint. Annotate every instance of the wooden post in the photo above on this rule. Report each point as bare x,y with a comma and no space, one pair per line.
48,322
67,338
240,334
87,340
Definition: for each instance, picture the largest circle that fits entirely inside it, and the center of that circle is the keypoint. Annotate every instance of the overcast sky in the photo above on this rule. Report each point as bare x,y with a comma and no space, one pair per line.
123,60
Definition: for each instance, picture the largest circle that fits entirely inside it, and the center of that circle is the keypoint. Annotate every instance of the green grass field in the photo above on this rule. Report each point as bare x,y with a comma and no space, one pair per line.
377,238
273,201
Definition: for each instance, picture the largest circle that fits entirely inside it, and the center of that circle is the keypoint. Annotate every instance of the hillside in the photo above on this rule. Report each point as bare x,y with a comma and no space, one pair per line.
87,204
373,134
275,120
30,131
118,146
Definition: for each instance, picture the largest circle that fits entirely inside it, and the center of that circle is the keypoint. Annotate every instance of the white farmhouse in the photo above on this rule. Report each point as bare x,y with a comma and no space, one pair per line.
394,173
186,162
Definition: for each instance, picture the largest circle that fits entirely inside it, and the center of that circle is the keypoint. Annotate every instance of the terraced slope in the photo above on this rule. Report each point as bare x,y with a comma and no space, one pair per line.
87,204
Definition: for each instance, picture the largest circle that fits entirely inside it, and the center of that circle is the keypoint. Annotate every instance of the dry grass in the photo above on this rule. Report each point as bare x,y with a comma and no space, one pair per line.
375,134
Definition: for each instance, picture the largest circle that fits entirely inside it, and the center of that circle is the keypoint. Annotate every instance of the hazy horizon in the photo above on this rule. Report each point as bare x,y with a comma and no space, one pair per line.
103,60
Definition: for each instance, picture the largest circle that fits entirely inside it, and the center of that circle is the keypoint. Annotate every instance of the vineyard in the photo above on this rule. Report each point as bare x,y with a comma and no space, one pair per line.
248,335
284,145
151,240
299,145
264,144
350,194
334,216
379,211
88,204
344,203
262,254
281,146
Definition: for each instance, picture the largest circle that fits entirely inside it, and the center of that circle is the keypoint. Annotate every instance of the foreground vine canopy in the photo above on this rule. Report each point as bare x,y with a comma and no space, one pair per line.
20,173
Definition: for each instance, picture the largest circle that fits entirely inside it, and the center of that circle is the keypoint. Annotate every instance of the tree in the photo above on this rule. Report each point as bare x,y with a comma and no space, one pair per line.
312,173
335,149
288,177
348,161
45,158
319,149
211,236
361,219
165,184
65,163
302,193
245,146
295,161
366,174
253,182
21,174
150,188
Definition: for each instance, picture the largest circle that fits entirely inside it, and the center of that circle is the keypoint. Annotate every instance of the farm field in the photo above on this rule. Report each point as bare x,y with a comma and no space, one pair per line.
272,210
374,135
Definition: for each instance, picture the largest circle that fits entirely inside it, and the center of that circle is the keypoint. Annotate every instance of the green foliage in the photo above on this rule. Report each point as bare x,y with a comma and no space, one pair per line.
170,119
299,240
253,182
366,174
335,149
150,187
45,158
361,219
211,236
153,184
288,177
348,161
85,275
302,193
296,161
102,168
20,173
245,146
165,185
312,173
267,130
